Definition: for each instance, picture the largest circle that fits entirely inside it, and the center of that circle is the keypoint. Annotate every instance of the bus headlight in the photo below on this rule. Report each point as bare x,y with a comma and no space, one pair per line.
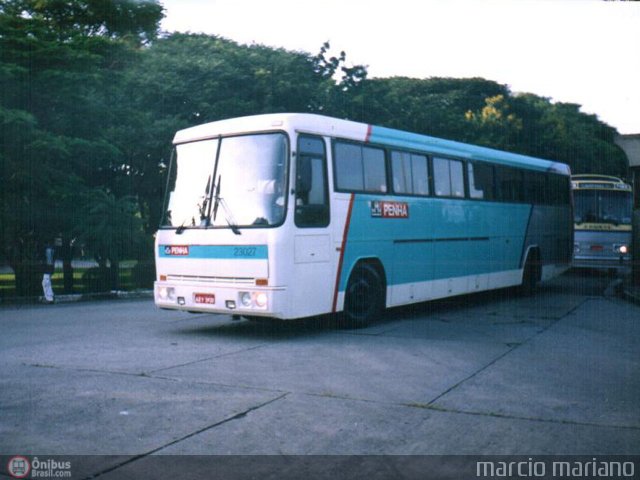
245,299
622,249
261,300
166,293
253,299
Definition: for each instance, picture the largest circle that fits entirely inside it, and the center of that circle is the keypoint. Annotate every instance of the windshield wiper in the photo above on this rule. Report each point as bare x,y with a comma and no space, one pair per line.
182,227
205,213
218,200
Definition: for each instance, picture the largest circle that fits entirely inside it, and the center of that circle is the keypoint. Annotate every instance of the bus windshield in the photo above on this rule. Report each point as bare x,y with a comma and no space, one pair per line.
228,182
602,206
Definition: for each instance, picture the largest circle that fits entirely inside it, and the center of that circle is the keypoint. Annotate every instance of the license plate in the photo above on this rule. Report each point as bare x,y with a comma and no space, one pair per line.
206,298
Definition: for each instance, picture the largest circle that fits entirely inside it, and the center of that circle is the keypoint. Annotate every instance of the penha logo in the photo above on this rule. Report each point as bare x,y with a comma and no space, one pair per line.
383,209
19,467
176,250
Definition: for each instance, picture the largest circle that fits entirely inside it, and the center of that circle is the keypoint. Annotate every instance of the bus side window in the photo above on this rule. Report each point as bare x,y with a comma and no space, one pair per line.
359,168
509,184
480,181
448,177
536,189
312,199
410,173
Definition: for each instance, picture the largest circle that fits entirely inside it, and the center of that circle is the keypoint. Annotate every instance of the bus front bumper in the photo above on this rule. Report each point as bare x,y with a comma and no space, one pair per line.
231,300
621,263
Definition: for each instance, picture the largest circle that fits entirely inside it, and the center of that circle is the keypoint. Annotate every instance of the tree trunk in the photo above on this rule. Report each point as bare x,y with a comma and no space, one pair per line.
115,274
28,277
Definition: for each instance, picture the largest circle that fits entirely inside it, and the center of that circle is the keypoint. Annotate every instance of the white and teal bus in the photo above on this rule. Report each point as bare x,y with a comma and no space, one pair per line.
296,215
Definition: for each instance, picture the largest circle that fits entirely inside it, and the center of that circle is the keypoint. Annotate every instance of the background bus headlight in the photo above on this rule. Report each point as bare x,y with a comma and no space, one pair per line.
622,249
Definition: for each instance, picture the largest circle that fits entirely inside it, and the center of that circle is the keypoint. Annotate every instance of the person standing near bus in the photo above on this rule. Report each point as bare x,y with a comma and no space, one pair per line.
49,268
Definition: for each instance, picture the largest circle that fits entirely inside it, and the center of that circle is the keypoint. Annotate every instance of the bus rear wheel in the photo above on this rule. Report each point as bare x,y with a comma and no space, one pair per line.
364,297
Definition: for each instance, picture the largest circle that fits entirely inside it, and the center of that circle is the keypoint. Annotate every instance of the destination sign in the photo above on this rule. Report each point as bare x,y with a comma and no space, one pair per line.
601,185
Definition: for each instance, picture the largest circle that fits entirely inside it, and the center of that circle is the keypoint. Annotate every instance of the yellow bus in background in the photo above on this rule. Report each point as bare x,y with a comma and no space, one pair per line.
603,207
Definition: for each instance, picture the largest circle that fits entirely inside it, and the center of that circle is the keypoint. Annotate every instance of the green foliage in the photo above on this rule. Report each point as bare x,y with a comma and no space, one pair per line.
201,78
62,20
434,106
112,228
486,113
535,126
61,64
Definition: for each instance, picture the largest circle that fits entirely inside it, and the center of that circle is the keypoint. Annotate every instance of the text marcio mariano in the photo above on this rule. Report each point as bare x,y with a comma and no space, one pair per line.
557,468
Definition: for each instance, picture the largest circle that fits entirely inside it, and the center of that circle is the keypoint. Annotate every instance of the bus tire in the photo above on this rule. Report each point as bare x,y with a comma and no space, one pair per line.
530,274
364,297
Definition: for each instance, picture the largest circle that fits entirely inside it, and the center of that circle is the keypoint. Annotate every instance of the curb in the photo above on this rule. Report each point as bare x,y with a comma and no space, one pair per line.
74,298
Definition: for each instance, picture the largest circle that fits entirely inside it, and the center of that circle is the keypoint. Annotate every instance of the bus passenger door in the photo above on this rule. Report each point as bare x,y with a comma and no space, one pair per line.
312,293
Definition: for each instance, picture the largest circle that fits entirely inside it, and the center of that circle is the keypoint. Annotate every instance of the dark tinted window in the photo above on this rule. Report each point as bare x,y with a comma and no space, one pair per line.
480,181
535,190
559,190
509,185
312,199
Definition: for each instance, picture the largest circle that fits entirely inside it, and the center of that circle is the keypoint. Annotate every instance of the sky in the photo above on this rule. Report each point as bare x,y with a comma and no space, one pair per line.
577,51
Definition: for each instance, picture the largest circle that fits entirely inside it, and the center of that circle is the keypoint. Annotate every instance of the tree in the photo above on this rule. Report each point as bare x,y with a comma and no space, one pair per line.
60,64
495,124
435,106
112,228
561,132
35,195
64,20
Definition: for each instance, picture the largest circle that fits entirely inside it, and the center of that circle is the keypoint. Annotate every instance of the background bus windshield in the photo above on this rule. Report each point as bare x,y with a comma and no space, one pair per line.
602,206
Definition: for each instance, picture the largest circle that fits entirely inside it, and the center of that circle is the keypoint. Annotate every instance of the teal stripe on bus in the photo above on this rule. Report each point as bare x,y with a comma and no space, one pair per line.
218,252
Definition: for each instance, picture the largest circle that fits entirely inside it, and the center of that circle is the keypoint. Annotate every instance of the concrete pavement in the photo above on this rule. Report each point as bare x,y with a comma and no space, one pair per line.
556,373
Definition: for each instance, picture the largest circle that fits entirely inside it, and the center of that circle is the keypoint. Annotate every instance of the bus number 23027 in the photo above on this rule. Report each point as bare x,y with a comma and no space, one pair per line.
244,251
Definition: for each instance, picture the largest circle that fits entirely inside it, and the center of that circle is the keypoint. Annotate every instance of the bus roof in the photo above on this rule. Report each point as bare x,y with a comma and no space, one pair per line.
599,178
598,182
346,129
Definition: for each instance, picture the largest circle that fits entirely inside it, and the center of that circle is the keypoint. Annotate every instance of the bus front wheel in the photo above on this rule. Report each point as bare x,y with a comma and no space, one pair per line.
364,297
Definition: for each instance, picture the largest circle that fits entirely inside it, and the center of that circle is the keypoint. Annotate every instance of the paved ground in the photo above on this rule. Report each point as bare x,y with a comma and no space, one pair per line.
556,373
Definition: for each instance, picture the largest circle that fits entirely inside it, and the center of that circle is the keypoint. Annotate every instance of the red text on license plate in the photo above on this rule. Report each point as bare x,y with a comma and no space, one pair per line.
208,298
